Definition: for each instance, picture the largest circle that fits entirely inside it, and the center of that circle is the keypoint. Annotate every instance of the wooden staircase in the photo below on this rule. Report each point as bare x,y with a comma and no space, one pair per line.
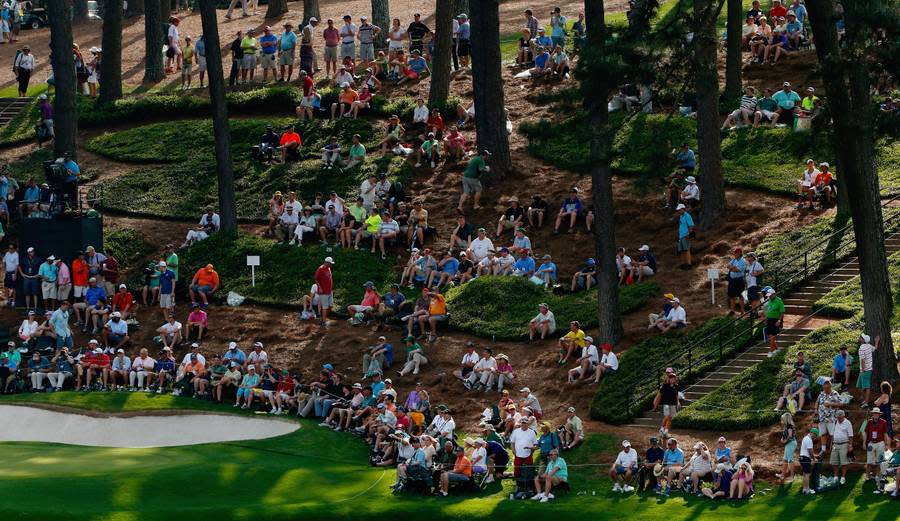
11,107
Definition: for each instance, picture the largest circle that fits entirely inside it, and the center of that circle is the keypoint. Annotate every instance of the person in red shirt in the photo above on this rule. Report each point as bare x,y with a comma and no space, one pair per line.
284,392
98,366
435,124
80,275
308,84
290,143
777,10
362,102
876,435
85,363
455,144
110,272
822,183
324,288
123,302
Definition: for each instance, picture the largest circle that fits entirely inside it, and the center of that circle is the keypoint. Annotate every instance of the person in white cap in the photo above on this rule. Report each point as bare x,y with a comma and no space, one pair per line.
685,230
28,330
623,469
864,380
120,370
165,369
544,323
573,431
97,364
690,194
234,354
675,319
774,319
115,331
166,289
586,363
324,288
788,101
699,467
258,357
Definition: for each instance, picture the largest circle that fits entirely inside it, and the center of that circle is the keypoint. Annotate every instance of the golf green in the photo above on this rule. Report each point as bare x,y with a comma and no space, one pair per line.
315,473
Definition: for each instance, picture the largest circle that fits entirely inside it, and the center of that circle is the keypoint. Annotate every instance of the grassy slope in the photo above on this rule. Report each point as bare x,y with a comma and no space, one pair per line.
285,272
483,306
289,478
846,300
188,146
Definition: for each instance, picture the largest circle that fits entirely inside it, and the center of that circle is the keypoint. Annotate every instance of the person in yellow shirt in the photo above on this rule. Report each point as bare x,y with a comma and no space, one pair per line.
369,229
417,223
574,339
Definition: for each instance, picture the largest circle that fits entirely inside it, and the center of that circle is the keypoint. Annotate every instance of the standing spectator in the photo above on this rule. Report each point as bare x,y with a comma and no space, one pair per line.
558,28
59,321
789,440
332,37
463,48
669,396
755,272
875,437
807,458
736,269
471,180
864,380
842,441
287,52
367,35
826,406
523,442
841,367
237,57
309,61
23,66
173,52
28,268
63,281
416,33
323,281
348,38
685,232
188,62
48,273
11,269
774,320
200,53
884,403
248,63
166,289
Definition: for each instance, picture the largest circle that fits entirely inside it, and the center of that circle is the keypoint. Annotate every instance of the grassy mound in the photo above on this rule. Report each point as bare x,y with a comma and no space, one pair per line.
484,306
653,355
285,272
845,300
189,146
127,244
747,400
21,127
769,159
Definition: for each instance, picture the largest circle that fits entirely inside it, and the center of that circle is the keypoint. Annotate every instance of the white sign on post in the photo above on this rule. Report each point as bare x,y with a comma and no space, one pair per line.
253,262
712,274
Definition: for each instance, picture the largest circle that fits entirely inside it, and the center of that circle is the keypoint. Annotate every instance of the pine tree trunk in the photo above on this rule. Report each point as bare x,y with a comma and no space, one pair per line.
487,84
65,121
596,91
706,82
440,65
847,82
79,11
135,7
733,60
111,65
153,42
221,130
276,9
165,10
381,17
310,9
460,7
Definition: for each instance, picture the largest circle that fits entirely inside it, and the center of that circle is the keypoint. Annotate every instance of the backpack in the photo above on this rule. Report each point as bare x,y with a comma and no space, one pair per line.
16,59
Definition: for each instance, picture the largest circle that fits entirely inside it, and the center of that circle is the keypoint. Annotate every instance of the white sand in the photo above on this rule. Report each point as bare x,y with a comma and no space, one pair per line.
20,423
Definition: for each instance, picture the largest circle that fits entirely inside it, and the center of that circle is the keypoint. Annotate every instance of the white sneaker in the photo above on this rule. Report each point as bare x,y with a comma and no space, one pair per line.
843,480
769,354
539,495
324,424
489,479
617,488
812,492
419,165
545,499
550,496
627,488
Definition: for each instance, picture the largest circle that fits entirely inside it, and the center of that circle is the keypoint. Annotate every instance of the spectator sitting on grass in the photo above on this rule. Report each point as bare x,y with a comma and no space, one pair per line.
806,188
290,143
204,284
170,332
115,331
520,241
377,357
467,364
364,99
331,154
357,153
766,110
430,151
209,224
570,209
446,270
623,469
587,362
623,266
823,184
795,392
536,211
419,268
504,263
673,462
560,62
415,357
544,323
644,266
268,143
479,247
690,194
574,339
331,223
787,101
524,266
675,319
455,144
609,363
699,467
585,277
486,265
309,104
841,367
369,303
741,116
465,271
511,219
462,233
481,378
546,272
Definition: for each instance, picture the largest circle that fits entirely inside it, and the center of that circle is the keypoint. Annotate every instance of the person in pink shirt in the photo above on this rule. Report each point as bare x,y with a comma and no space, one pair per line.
332,39
455,144
369,303
197,321
63,281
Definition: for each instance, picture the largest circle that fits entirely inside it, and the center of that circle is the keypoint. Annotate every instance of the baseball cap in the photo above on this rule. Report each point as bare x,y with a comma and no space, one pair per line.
680,207
258,344
589,339
570,409
865,338
626,443
328,367
786,84
162,264
329,260
815,431
98,351
525,390
123,286
644,248
93,341
232,345
116,314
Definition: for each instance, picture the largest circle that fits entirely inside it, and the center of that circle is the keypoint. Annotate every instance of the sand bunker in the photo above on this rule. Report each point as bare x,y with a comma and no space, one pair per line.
20,423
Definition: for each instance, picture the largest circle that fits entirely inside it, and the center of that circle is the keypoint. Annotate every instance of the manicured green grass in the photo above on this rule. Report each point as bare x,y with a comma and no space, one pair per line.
484,307
286,272
291,477
845,300
21,127
189,145
610,403
127,244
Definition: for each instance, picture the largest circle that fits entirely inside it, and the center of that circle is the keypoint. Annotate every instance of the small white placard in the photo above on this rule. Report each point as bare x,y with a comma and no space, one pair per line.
711,273
252,260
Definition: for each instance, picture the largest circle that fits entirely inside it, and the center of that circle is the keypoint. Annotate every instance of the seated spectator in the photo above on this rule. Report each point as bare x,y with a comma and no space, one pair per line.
141,375
435,124
369,304
787,101
430,151
524,265
268,143
460,473
560,62
546,273
28,330
465,271
543,63
690,194
586,277
479,247
331,222
38,368
369,230
556,472
574,339
397,66
357,153
418,268
675,319
748,31
824,185
721,488
447,269
309,104
346,98
511,219
806,189
623,266
115,331
569,210
120,370
793,30
388,232
524,55
504,372
609,363
795,392
204,284
415,357
587,362
760,40
673,461
245,390
544,323
462,233
390,304
742,479
287,225
623,469
393,133
364,100
455,144
698,467
778,46
415,68
290,143
645,265
536,211
503,263
810,103
209,224
123,302
331,154
520,241
766,110
481,378
170,332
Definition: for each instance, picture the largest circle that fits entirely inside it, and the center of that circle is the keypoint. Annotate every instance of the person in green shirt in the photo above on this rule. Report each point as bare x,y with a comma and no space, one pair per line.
472,179
415,357
352,222
172,260
216,371
357,152
369,229
766,108
556,472
787,100
429,150
248,62
774,319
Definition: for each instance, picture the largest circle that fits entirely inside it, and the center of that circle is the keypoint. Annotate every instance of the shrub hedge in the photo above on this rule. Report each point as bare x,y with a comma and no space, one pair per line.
614,394
484,306
748,399
127,244
285,273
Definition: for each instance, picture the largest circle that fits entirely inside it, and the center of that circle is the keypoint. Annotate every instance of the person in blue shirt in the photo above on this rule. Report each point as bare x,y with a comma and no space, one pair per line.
287,46
542,63
570,208
48,273
542,40
841,367
234,354
799,11
164,368
200,52
794,29
463,45
59,321
557,28
390,304
268,44
524,266
645,265
685,228
685,158
377,385
736,269
378,357
787,100
30,198
673,462
167,279
415,67
92,296
546,272
415,468
70,184
445,272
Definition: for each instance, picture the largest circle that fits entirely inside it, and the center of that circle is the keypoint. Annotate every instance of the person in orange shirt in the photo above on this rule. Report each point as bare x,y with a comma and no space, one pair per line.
823,184
80,275
437,312
204,283
195,368
290,142
345,101
461,473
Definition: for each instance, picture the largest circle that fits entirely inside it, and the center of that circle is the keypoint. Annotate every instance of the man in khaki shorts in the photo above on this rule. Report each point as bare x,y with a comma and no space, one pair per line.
840,445
827,404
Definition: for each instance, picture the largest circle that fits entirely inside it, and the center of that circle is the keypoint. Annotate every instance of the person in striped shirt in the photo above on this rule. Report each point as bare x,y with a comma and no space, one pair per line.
743,114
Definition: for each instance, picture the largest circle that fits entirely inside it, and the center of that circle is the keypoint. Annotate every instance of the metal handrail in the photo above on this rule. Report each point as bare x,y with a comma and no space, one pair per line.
651,379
